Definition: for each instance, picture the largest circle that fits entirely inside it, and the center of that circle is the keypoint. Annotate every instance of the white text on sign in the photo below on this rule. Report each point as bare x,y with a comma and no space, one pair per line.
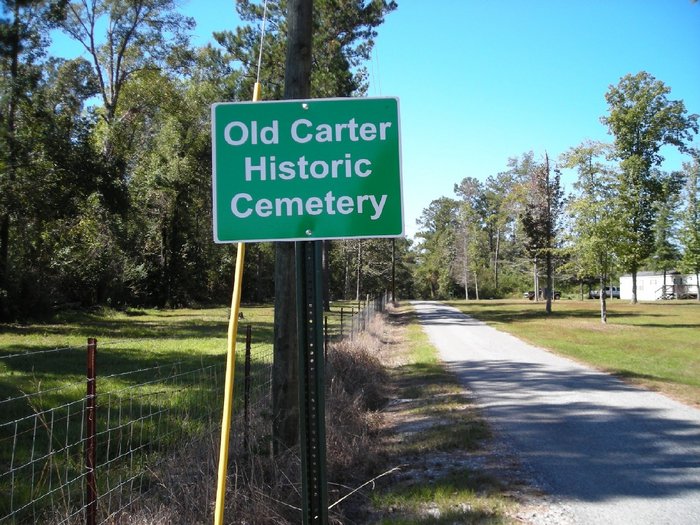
239,133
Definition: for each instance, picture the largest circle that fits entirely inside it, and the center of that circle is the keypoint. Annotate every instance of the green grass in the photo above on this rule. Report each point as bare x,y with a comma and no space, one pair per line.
456,497
127,341
159,384
424,376
653,344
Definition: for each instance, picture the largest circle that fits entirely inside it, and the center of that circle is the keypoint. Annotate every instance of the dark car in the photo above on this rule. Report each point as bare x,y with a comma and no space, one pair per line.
531,295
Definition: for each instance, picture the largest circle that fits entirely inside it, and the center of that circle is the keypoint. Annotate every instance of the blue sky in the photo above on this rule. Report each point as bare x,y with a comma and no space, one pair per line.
483,80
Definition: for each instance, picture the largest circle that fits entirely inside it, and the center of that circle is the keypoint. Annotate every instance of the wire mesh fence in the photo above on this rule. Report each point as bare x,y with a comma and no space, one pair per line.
54,469
355,318
81,445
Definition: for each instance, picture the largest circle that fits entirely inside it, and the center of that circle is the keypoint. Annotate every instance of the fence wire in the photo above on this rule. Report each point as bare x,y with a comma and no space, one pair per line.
143,414
355,318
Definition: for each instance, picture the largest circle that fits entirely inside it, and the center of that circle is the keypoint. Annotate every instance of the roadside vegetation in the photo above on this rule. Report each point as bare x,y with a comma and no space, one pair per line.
447,470
655,345
395,416
142,354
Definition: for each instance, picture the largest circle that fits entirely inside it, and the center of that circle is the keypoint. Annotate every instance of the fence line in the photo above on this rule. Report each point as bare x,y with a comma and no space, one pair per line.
140,417
84,451
355,318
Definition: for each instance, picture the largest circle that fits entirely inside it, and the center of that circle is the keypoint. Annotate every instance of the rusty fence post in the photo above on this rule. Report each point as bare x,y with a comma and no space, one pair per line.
341,322
352,323
368,313
246,398
91,433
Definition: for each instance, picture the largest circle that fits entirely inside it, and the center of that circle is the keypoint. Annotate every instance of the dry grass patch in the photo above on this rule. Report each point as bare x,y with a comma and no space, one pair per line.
263,489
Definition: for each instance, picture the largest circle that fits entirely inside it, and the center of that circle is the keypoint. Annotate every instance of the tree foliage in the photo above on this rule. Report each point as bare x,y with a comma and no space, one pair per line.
666,254
541,219
139,35
436,250
642,119
105,163
690,220
589,243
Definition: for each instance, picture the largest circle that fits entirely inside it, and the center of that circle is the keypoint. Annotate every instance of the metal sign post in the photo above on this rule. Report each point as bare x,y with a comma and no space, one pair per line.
304,171
311,382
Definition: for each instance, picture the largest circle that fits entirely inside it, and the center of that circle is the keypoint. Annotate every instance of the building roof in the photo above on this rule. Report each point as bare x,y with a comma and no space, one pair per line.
653,273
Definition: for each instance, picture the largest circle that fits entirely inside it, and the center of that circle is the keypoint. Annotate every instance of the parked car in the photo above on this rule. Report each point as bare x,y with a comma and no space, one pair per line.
610,291
531,295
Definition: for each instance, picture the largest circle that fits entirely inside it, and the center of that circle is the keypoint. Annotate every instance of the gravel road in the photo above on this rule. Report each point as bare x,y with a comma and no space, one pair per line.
609,452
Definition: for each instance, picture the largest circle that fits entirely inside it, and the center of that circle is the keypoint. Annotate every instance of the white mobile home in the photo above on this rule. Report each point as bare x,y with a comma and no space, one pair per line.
651,286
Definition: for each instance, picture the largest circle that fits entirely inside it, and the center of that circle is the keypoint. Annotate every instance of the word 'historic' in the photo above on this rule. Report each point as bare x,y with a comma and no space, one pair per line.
318,169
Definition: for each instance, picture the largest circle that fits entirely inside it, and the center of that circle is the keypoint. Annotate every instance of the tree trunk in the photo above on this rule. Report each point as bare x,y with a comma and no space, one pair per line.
4,244
549,238
10,130
285,370
663,290
495,259
466,270
603,304
634,286
536,281
550,281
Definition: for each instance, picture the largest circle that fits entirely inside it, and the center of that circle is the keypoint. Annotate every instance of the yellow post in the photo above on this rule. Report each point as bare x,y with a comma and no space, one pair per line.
230,367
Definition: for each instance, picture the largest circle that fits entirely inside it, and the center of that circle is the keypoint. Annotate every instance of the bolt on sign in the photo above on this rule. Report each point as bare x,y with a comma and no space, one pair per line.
306,170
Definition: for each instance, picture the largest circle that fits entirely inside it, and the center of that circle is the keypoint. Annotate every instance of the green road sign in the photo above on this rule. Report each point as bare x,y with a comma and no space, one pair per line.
306,169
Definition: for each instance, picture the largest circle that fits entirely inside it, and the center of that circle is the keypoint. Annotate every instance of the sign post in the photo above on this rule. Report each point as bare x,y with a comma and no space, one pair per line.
307,170
312,382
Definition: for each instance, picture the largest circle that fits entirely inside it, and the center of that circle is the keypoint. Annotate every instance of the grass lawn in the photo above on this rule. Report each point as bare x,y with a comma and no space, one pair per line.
656,345
127,340
159,384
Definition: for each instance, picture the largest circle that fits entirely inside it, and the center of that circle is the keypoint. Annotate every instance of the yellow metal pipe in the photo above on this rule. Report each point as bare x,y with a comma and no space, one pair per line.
230,368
